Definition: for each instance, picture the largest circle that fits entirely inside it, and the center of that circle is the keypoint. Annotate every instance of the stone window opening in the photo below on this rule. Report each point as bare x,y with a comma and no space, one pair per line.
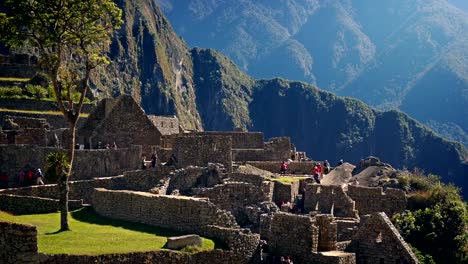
172,125
162,124
378,239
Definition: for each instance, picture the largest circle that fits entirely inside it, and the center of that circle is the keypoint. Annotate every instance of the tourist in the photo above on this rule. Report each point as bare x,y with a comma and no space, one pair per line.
326,166
316,174
263,250
143,163
284,167
30,177
39,177
282,260
154,160
107,146
320,171
114,146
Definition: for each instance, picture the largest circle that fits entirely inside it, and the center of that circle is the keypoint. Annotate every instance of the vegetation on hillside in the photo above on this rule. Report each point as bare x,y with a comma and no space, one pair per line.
436,224
93,234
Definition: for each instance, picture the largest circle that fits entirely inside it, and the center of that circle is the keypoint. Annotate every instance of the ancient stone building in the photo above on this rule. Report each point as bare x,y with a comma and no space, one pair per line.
121,121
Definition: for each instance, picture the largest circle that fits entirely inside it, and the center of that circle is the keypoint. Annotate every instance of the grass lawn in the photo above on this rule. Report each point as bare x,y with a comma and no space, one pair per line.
287,179
93,234
37,112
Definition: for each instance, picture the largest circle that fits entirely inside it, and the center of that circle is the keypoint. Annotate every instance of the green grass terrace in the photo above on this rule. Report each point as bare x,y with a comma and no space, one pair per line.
288,179
92,234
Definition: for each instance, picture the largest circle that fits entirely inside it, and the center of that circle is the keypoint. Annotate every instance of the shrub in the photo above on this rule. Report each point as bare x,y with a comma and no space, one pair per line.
56,167
36,91
8,92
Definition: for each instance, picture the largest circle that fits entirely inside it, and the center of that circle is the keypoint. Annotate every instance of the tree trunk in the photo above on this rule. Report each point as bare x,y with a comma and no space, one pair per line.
63,183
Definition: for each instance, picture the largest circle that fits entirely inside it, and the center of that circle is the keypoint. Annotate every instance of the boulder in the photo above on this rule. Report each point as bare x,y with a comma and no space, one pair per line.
180,242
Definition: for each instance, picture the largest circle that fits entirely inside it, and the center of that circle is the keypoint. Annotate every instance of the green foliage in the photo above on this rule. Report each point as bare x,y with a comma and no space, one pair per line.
438,226
36,91
191,249
11,92
56,167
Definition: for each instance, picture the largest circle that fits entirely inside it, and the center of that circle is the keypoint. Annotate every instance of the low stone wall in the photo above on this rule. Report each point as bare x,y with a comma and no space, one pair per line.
191,177
141,180
276,149
33,205
329,200
154,257
372,200
293,235
295,167
185,214
378,241
235,196
87,163
192,150
18,243
256,180
284,192
240,140
181,213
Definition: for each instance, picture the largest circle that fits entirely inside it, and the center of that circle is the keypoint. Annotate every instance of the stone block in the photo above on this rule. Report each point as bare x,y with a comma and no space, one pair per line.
180,242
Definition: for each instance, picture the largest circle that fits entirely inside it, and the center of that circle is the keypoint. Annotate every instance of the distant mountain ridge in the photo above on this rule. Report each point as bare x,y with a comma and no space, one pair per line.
206,90
390,54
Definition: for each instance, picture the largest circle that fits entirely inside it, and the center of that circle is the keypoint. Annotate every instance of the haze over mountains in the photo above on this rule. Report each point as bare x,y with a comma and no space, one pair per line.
401,54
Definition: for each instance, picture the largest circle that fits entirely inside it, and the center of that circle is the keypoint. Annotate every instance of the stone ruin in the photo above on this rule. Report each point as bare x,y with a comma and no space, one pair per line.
212,191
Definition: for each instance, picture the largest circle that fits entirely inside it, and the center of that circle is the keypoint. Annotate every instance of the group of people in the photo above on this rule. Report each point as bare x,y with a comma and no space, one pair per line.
29,177
154,161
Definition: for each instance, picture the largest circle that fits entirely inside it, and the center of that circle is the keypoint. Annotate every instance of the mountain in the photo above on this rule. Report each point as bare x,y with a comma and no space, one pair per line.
206,90
390,54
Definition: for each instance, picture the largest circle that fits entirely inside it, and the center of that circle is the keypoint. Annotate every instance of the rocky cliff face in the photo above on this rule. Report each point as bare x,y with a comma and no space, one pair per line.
150,62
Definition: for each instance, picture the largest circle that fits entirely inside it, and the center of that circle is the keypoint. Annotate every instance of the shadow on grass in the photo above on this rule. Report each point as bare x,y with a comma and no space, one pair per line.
88,215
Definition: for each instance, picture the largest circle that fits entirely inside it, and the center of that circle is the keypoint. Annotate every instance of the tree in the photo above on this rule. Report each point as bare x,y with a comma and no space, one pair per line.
70,38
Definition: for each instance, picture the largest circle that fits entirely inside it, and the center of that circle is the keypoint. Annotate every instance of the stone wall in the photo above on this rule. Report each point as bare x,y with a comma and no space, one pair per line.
142,180
346,228
235,196
378,241
29,122
182,213
327,232
154,257
285,192
372,200
33,205
295,167
167,125
329,200
87,163
240,140
191,177
201,150
254,179
18,243
122,121
55,121
293,235
276,149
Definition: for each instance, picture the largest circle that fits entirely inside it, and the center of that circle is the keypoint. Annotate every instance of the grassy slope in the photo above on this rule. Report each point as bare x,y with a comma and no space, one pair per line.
93,235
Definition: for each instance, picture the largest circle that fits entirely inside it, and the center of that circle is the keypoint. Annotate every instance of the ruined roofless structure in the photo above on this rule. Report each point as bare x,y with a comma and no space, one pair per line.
123,121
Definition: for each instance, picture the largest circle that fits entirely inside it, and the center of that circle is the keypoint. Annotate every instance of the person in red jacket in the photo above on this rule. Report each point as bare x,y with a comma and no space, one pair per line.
316,174
284,167
319,170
